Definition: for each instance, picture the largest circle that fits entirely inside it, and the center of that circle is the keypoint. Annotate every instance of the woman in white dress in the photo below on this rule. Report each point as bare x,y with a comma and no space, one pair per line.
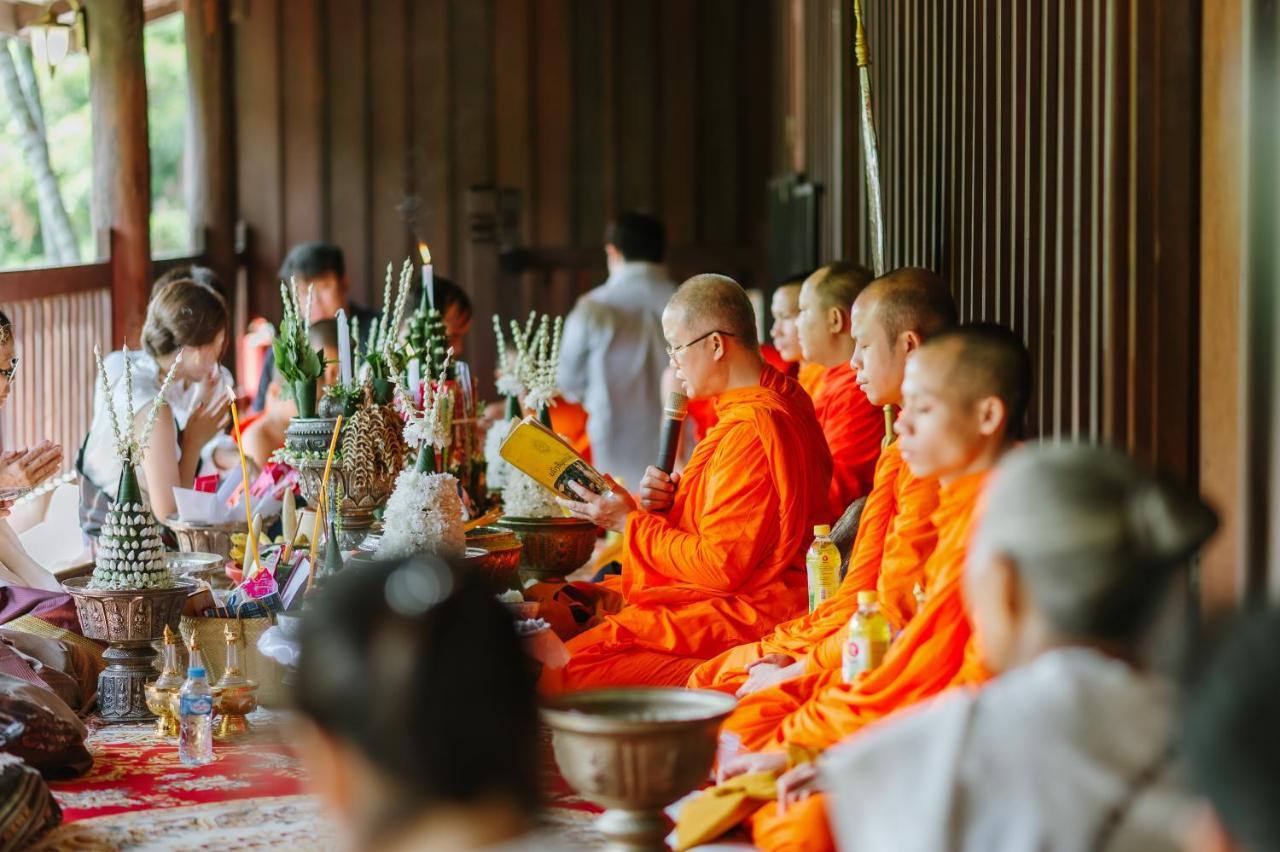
1070,747
184,317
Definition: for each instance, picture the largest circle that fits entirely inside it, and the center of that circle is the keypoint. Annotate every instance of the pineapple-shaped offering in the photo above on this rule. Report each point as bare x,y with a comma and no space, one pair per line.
429,341
130,551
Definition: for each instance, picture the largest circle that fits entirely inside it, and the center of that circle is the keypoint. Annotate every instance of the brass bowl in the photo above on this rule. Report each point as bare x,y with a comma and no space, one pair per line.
206,538
133,616
502,553
553,547
161,701
635,751
198,566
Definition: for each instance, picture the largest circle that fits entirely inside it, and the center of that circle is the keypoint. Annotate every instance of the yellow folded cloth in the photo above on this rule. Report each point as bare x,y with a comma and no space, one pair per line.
723,806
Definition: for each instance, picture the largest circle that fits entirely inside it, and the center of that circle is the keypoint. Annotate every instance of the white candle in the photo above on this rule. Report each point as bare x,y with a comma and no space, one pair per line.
344,347
415,379
428,285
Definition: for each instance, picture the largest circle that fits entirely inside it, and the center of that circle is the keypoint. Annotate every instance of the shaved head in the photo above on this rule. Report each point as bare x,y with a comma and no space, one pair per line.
911,299
718,302
837,284
989,360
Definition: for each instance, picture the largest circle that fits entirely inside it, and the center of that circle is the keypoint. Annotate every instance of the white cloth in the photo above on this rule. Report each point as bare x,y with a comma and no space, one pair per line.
1038,759
101,463
17,568
612,357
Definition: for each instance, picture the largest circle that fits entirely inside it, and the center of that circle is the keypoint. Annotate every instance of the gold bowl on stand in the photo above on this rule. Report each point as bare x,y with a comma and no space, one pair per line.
635,751
553,548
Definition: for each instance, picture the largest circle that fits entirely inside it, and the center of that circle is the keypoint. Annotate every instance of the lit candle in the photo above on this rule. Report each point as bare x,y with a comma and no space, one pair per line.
344,347
415,379
428,277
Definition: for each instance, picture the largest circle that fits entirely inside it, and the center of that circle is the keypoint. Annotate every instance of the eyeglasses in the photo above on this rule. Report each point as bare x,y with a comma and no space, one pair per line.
11,371
673,351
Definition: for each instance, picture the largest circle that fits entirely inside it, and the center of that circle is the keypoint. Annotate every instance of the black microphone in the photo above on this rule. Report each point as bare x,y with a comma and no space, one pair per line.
673,414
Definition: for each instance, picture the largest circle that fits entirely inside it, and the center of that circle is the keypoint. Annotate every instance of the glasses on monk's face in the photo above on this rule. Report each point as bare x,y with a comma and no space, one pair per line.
673,351
12,371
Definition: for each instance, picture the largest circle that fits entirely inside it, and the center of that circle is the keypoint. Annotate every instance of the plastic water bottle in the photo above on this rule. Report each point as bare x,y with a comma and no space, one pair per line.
868,640
195,720
823,564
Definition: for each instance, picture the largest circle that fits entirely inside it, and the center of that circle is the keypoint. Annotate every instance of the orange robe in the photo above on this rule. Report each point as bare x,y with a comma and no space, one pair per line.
819,709
854,429
894,540
811,377
724,564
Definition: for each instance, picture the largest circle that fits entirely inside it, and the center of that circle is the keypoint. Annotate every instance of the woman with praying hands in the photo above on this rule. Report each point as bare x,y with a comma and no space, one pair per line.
186,326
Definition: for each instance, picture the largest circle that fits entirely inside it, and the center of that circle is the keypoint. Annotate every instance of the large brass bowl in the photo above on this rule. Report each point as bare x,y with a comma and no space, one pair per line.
205,538
553,547
502,548
634,751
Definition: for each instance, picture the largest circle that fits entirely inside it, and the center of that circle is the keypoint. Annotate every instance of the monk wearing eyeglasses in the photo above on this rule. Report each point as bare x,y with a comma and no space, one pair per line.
713,557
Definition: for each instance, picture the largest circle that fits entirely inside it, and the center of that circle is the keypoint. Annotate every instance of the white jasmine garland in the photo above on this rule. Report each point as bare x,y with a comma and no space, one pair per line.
524,497
497,469
424,515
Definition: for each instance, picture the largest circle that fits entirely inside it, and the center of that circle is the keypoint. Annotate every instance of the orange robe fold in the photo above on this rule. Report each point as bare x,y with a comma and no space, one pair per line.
802,827
895,536
811,376
724,564
924,659
854,429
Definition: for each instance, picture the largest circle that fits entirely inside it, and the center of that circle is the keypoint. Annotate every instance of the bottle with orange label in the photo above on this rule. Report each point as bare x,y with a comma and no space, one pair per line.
868,638
823,564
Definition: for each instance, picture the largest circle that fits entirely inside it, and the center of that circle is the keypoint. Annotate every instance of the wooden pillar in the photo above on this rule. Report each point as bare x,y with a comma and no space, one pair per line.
481,271
121,158
211,192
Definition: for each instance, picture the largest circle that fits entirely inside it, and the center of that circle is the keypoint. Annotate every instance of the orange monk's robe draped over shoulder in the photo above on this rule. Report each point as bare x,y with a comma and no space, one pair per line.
815,712
724,564
854,429
895,533
811,376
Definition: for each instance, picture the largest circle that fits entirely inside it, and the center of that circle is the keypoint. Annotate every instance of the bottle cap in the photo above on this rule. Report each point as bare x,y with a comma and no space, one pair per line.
868,596
822,529
196,672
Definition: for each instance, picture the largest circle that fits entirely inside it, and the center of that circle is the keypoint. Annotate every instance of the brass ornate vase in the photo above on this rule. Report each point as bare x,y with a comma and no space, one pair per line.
552,548
634,751
129,620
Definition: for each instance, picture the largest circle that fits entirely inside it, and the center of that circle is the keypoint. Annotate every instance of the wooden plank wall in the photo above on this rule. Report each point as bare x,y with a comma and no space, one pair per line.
1045,157
366,123
52,397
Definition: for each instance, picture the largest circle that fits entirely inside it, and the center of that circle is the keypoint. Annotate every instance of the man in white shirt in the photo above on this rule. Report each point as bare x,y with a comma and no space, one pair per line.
613,352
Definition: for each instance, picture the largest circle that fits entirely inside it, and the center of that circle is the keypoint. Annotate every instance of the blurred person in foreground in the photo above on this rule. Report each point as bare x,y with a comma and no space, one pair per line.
1231,744
420,728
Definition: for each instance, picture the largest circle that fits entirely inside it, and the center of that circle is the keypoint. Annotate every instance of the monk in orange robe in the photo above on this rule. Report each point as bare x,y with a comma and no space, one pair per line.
966,394
890,320
712,557
854,428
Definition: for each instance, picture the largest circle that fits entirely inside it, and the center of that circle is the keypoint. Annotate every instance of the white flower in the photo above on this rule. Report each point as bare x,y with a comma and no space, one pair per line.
423,515
497,469
509,385
524,497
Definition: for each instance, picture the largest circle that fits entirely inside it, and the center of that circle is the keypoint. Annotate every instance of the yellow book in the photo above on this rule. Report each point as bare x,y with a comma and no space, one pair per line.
548,458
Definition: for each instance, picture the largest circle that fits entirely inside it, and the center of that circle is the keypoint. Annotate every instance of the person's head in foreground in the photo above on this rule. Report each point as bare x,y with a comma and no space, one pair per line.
1076,546
190,317
710,329
784,307
964,401
322,268
891,318
1231,743
822,324
420,726
634,237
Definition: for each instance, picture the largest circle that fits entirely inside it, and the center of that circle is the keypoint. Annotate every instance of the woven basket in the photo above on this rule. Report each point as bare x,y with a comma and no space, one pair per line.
266,672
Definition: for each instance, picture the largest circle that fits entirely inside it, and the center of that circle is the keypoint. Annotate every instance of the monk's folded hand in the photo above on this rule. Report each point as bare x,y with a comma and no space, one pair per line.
796,785
762,674
658,489
608,510
6,507
751,761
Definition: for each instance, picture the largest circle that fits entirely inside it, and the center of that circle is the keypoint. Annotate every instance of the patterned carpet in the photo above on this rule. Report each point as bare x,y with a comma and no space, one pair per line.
138,796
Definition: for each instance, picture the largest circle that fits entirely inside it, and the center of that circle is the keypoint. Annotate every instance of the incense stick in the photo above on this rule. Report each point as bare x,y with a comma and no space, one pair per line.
250,539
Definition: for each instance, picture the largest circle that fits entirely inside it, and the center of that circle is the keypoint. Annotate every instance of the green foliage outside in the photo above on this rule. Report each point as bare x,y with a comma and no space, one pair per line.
65,101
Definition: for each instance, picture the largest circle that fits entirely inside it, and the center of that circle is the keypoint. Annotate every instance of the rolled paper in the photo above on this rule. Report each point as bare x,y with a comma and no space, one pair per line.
244,469
344,347
324,494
